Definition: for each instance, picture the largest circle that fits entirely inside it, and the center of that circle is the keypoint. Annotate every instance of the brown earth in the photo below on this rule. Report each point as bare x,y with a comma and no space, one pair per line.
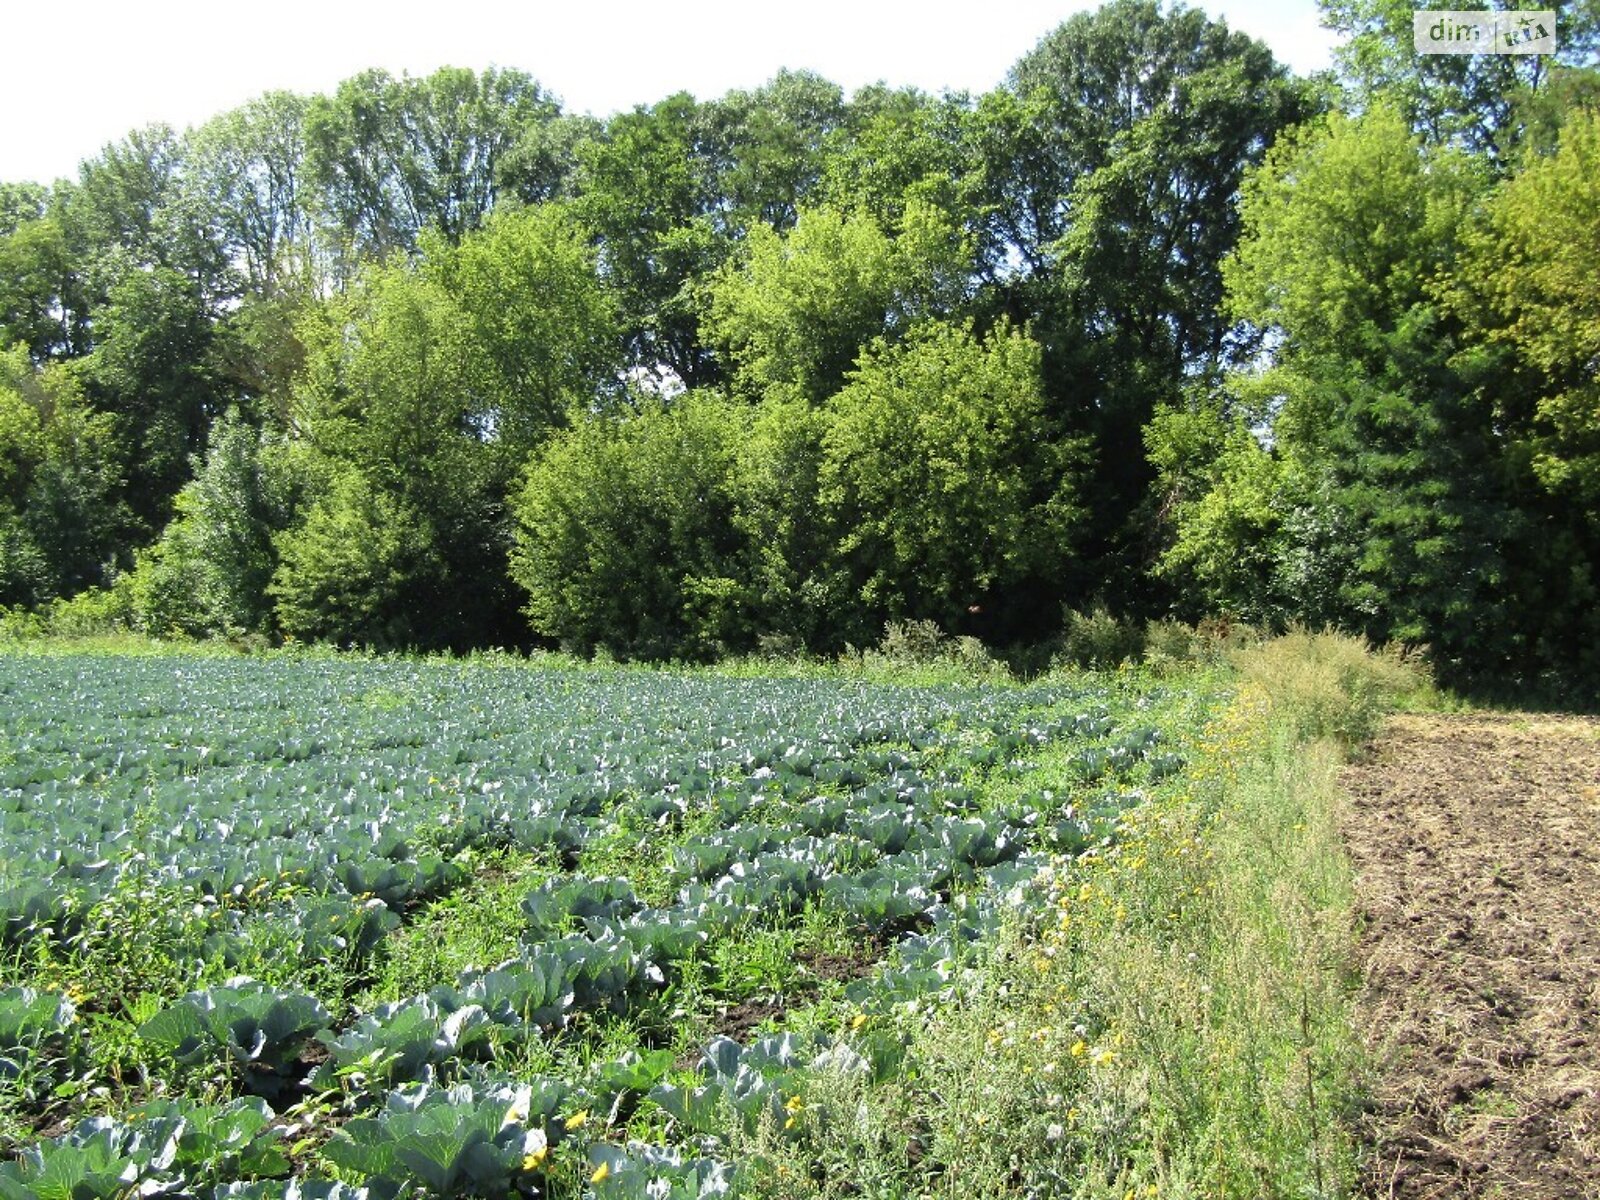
1476,844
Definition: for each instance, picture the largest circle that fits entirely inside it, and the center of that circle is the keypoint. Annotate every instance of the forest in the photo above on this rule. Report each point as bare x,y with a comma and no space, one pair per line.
1155,328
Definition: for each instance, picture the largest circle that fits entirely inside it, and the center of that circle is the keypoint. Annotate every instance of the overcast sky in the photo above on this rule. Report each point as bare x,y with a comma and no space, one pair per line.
80,75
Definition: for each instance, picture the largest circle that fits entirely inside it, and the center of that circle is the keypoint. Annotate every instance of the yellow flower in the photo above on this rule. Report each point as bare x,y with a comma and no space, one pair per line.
1079,1048
600,1173
794,1104
576,1120
532,1162
790,1123
858,1021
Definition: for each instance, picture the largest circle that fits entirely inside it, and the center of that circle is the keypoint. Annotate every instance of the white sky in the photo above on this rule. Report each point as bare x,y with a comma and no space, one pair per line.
78,76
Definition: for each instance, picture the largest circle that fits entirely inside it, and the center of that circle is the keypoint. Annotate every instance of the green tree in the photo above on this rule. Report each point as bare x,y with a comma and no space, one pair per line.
1527,291
246,177
798,307
37,290
1532,284
1386,452
626,533
394,157
798,592
152,370
765,149
361,570
905,145
433,383
1114,157
1476,101
645,193
950,495
542,332
61,517
209,571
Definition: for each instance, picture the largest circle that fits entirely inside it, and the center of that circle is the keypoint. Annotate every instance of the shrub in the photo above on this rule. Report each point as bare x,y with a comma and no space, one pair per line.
1099,639
626,539
1330,684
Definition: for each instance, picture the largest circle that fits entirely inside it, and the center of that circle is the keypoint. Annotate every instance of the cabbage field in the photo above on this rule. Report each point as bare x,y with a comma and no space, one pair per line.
224,884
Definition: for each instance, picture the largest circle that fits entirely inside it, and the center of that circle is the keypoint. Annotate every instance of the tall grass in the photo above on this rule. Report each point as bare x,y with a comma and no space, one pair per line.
1330,685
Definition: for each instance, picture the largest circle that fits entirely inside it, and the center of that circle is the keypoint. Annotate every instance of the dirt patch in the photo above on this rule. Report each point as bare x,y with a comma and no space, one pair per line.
742,1018
1476,844
866,957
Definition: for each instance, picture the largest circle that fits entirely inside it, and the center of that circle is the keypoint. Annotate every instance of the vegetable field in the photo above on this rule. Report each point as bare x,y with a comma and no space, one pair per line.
329,928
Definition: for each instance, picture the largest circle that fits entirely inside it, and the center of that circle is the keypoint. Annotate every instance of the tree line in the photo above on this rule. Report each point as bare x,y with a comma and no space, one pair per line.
1154,325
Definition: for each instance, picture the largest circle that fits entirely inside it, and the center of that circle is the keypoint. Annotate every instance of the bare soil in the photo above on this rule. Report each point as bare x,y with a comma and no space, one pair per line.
1476,844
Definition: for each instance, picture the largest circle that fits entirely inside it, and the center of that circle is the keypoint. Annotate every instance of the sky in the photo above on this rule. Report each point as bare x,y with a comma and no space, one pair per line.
75,78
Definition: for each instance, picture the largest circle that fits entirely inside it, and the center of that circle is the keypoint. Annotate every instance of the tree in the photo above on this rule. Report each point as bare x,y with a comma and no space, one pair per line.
394,157
1531,283
646,195
1527,292
940,473
152,370
798,307
905,145
1470,100
246,178
38,289
1388,453
209,571
432,383
626,537
360,570
799,596
1114,157
541,331
61,517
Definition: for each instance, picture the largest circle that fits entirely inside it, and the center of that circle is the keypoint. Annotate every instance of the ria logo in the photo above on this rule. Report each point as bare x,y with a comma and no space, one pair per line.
1475,31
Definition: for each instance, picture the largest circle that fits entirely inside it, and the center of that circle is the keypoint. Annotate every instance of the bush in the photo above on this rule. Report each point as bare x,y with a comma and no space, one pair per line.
208,573
1098,639
951,491
357,571
923,650
1330,684
626,539
1173,645
92,613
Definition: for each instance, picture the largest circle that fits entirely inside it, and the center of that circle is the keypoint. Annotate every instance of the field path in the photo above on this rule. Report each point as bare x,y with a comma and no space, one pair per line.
1476,845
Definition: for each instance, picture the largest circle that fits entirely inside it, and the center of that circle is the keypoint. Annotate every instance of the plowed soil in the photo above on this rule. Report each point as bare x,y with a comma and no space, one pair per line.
1476,844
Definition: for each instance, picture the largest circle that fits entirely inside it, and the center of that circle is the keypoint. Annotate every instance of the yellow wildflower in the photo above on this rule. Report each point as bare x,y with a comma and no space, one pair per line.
532,1162
601,1173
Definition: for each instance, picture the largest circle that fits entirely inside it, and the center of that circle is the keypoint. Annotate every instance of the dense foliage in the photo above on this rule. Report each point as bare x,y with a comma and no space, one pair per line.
430,362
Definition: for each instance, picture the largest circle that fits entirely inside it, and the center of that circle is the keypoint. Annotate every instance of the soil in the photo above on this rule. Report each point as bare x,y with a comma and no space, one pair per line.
1476,845
816,967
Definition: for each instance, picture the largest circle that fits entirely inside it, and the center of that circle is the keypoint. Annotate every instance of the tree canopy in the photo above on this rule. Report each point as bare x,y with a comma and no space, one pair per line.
1152,324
